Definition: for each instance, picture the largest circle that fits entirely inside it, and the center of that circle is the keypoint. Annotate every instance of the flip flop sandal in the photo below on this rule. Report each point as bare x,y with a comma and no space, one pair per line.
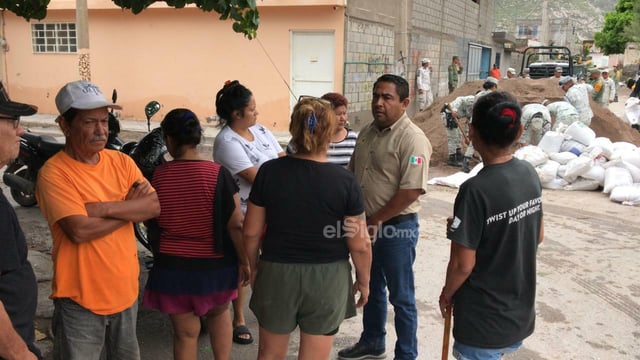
240,330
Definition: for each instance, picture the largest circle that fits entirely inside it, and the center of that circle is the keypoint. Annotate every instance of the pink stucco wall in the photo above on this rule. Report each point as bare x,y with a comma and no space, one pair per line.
180,57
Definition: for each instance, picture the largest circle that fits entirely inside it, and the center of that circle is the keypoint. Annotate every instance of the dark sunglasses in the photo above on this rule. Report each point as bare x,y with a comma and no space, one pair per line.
15,120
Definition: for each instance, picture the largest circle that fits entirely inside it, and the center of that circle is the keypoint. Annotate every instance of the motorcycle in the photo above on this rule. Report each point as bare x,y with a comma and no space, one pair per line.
150,152
35,149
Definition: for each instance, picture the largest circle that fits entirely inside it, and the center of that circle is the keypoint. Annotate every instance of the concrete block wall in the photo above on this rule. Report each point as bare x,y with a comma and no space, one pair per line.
437,29
368,43
441,29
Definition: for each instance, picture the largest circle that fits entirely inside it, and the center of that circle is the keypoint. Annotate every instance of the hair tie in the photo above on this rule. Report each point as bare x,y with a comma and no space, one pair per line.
312,121
227,83
510,113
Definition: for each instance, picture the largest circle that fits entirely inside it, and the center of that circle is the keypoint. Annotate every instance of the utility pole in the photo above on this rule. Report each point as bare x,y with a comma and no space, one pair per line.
82,33
544,33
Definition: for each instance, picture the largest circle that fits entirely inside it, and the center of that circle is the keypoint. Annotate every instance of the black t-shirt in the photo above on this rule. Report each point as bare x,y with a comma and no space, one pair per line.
18,286
498,213
306,202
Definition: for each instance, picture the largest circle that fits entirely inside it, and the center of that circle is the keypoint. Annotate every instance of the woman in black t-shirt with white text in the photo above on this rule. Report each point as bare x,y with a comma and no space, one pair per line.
495,232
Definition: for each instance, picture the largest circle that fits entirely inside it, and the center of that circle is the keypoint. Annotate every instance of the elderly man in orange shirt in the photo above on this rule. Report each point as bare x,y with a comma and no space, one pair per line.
90,196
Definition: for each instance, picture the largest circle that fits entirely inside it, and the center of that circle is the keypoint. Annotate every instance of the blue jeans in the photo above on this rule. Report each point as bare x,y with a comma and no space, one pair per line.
392,267
466,352
80,334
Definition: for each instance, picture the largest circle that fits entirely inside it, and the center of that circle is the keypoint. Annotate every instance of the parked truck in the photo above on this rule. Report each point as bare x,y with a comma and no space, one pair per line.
543,60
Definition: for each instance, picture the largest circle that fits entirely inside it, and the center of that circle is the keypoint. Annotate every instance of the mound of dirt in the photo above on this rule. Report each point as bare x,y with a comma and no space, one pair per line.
604,123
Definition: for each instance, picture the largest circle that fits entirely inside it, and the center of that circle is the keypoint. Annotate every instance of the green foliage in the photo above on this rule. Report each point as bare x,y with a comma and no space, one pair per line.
244,13
612,38
633,30
28,9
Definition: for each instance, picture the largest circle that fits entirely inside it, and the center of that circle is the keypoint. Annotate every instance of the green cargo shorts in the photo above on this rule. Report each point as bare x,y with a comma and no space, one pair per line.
317,297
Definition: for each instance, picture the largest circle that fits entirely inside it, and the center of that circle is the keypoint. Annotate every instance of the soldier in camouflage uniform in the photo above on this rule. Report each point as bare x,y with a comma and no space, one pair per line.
578,96
490,85
597,94
454,70
564,114
461,107
536,121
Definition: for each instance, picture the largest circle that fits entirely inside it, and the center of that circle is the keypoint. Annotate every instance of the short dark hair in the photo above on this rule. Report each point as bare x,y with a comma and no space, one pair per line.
496,118
489,85
232,97
183,126
402,86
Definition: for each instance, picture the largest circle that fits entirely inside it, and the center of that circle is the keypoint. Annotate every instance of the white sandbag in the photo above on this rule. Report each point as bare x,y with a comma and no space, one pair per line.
453,180
476,169
577,167
633,170
551,141
605,144
595,173
547,171
632,110
627,195
563,157
595,152
555,184
616,176
582,184
580,133
561,170
573,146
631,157
532,154
622,146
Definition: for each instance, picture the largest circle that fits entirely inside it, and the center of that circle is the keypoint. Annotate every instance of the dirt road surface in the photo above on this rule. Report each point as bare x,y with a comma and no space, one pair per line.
588,297
588,294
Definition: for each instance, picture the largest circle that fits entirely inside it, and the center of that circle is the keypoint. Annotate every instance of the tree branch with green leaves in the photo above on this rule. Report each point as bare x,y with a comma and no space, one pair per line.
613,38
244,13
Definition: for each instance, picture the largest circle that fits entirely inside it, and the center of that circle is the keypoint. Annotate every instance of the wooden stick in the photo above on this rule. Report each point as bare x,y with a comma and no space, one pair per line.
445,336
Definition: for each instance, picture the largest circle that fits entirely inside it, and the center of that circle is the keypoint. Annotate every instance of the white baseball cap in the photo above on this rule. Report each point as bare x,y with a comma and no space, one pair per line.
81,95
426,60
511,70
491,79
564,80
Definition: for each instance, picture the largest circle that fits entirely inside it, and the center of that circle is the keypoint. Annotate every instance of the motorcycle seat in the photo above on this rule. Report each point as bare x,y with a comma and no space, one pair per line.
47,143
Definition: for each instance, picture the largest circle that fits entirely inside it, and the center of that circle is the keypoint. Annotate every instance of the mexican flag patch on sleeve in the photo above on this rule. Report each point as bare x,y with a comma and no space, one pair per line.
415,160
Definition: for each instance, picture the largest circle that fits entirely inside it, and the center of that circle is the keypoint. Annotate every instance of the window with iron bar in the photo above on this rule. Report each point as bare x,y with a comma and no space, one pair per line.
54,37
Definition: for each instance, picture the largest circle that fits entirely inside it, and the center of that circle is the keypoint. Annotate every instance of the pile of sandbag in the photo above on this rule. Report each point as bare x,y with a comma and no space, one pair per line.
575,159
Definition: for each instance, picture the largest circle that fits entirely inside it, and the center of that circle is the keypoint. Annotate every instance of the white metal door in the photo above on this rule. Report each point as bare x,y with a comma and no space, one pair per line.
475,58
312,63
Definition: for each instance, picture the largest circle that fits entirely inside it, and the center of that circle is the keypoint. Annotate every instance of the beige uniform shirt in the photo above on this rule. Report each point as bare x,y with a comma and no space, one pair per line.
388,160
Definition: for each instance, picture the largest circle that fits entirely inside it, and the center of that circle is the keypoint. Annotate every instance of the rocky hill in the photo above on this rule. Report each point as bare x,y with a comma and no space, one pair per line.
587,15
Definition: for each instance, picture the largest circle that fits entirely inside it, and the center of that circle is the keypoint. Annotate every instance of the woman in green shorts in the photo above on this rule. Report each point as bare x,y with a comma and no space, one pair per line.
313,213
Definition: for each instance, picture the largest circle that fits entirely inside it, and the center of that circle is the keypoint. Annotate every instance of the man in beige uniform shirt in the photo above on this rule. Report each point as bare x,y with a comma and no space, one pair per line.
391,163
